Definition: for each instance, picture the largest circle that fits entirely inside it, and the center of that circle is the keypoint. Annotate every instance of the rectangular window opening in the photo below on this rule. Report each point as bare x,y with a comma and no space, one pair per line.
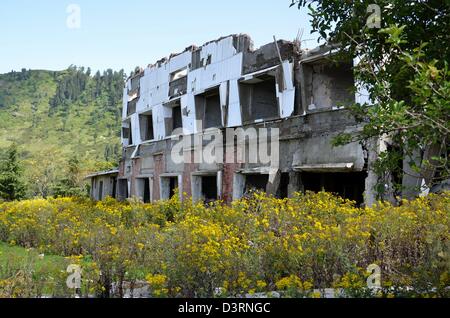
348,185
178,74
259,99
131,107
146,126
208,109
328,85
177,119
256,182
175,122
127,134
178,83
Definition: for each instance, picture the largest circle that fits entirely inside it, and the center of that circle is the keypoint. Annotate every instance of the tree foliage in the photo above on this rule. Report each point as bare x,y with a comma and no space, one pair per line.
403,66
70,185
12,186
75,81
55,116
258,244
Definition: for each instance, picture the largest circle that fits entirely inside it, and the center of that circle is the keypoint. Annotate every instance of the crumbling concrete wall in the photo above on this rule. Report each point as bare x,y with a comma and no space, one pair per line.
221,63
305,145
267,56
327,85
103,185
275,86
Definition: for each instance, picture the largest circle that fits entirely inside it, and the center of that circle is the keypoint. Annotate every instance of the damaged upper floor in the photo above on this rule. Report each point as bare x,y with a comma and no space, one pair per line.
228,83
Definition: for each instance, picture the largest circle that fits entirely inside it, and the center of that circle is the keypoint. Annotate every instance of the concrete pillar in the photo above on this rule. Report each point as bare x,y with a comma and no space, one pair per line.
412,180
196,185
370,194
238,186
274,183
295,183
374,147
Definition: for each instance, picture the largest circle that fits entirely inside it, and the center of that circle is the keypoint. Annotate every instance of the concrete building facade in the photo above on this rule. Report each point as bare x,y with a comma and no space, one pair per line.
295,95
103,184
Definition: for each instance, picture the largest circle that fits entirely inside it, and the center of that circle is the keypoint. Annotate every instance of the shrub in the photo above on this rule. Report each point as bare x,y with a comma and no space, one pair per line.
257,244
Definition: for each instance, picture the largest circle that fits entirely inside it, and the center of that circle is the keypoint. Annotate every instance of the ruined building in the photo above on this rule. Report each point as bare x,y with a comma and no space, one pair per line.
224,84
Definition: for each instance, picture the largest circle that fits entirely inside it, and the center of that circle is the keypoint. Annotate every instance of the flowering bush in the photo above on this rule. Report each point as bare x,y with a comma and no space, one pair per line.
258,244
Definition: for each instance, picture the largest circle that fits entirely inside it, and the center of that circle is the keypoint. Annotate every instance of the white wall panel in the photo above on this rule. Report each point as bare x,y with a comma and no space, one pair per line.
226,65
287,97
135,129
234,107
125,103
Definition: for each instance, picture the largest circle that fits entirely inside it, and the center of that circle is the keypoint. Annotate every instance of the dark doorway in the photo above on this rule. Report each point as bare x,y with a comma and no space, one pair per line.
209,188
168,187
114,188
100,190
173,185
348,185
127,134
123,189
147,198
255,182
282,192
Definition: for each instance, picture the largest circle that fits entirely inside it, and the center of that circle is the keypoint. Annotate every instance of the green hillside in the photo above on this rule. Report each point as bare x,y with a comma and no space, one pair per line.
54,117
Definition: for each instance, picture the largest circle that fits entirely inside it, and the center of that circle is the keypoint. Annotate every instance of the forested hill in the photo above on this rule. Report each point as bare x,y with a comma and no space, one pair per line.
61,117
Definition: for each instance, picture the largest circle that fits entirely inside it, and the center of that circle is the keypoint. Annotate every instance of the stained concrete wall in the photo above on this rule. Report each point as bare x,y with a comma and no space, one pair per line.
305,143
231,66
327,85
267,56
108,182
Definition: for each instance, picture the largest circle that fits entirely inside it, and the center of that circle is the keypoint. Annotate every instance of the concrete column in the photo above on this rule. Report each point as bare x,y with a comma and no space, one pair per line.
370,195
238,186
196,182
295,183
274,183
412,180
375,146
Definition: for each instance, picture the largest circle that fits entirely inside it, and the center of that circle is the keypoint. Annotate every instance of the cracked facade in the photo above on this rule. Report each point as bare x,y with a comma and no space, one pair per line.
227,83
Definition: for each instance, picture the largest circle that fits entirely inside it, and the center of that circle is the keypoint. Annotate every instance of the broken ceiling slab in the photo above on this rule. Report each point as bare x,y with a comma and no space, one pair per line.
258,170
267,55
251,76
318,53
331,167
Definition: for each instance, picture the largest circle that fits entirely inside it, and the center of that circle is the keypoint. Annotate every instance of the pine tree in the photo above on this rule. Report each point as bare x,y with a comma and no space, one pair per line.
12,186
70,185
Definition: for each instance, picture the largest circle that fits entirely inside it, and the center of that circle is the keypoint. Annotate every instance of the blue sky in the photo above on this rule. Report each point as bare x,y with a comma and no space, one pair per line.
124,34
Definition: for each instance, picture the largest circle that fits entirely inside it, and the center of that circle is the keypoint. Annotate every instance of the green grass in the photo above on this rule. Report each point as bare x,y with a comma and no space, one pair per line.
16,258
26,273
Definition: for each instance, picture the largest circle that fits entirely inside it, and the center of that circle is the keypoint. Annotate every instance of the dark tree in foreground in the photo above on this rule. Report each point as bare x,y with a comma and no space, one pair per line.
12,186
